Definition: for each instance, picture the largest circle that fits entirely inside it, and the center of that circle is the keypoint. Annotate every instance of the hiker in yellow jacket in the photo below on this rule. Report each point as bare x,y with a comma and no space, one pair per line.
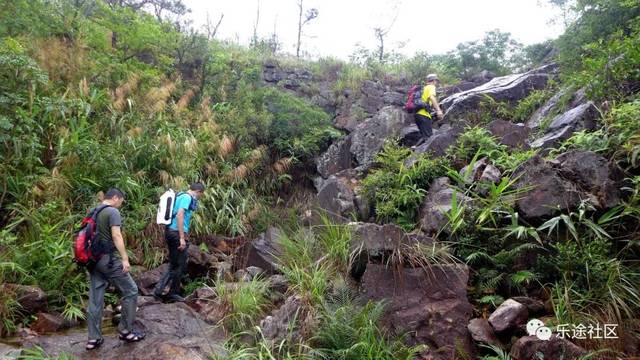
427,107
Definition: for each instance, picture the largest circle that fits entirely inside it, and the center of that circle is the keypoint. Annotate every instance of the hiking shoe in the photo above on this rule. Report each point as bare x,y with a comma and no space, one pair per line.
175,298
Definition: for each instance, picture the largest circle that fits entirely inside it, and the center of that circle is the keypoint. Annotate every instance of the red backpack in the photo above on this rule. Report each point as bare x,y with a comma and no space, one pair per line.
410,105
83,242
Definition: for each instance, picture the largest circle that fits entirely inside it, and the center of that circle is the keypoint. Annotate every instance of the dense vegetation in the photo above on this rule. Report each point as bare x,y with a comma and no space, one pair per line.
95,94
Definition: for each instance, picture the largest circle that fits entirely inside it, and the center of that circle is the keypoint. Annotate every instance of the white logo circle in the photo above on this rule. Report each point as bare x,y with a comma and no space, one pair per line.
543,333
533,325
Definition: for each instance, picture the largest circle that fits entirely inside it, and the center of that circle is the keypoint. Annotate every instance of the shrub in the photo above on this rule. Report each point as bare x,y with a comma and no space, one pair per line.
475,141
397,190
349,332
525,108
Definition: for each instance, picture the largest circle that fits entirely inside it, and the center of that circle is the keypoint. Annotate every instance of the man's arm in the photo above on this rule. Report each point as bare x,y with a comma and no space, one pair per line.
180,222
436,105
118,241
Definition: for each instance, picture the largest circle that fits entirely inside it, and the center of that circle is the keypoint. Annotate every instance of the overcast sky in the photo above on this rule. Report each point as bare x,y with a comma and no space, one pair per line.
428,25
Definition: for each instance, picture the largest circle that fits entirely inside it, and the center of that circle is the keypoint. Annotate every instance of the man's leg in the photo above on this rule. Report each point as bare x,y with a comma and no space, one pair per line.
166,277
97,287
173,241
182,267
129,292
423,127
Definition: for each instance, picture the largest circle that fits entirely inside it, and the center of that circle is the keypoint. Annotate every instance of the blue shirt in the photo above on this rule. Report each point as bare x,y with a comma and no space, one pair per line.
182,202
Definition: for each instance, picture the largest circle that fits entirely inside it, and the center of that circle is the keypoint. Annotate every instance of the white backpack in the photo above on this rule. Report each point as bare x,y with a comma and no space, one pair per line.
165,207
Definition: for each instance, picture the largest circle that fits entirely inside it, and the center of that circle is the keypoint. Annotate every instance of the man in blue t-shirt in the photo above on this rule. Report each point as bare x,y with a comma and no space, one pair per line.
177,234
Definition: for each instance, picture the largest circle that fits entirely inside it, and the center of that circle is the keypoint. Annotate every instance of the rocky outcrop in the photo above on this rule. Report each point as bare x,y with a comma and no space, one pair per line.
510,88
49,323
437,144
437,203
30,298
549,186
582,117
263,251
532,348
356,106
553,104
375,240
475,81
285,322
200,263
290,79
206,303
544,190
174,331
534,306
430,306
337,158
147,280
369,137
509,315
482,332
410,135
480,171
336,196
513,135
592,173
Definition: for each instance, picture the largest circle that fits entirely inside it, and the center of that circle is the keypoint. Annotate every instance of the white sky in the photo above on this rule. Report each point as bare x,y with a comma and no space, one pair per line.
428,25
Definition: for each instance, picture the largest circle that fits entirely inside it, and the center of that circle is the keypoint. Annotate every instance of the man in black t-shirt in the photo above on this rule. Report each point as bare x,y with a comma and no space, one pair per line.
111,268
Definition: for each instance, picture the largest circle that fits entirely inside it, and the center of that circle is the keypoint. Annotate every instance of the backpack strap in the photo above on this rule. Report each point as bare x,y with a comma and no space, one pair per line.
97,210
174,214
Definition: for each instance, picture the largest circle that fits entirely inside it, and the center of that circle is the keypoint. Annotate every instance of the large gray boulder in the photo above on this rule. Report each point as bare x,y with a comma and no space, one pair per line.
509,315
263,252
356,106
336,196
375,240
206,303
369,136
582,117
544,190
437,203
553,104
174,331
31,299
147,280
481,171
510,134
430,306
481,78
510,88
437,145
532,348
549,186
481,331
593,173
286,322
336,158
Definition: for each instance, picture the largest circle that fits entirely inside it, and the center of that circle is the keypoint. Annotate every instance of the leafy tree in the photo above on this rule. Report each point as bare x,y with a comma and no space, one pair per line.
496,52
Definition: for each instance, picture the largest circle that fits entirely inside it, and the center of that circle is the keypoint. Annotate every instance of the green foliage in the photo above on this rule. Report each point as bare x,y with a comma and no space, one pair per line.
475,141
298,128
596,21
395,189
300,265
246,303
596,141
525,108
349,332
623,131
496,52
489,109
